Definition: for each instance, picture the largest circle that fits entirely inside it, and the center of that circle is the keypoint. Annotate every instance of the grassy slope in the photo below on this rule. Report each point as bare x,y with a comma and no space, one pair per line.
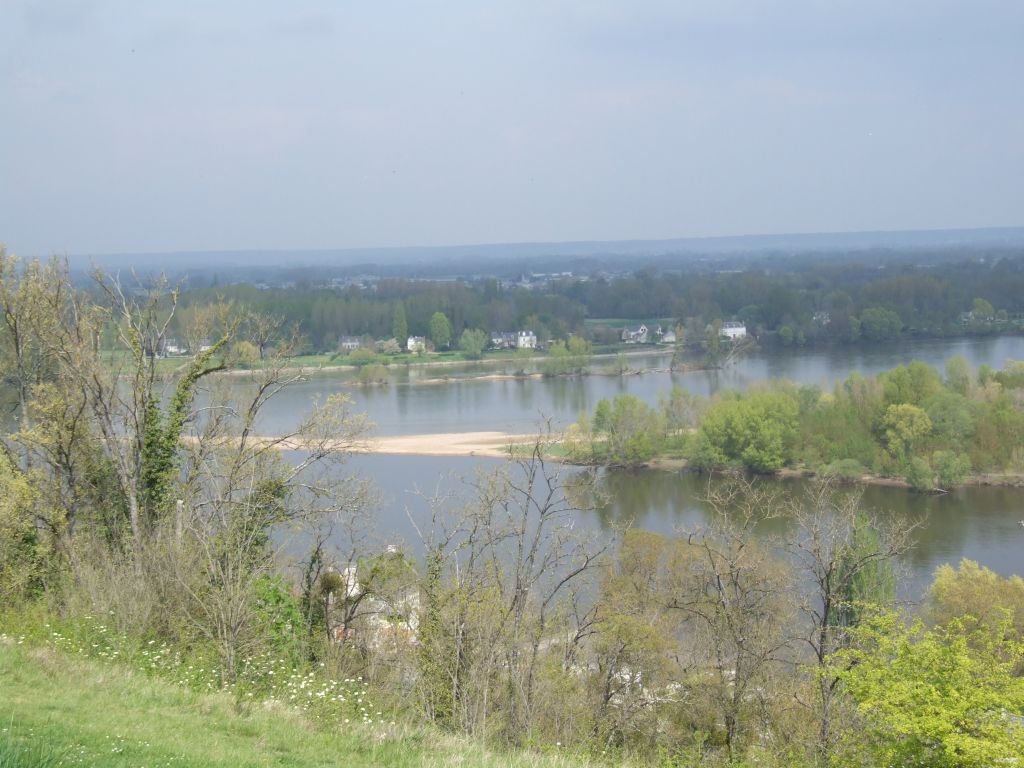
98,714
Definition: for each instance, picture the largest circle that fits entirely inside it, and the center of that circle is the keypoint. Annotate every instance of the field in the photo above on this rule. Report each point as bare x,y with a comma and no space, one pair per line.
59,710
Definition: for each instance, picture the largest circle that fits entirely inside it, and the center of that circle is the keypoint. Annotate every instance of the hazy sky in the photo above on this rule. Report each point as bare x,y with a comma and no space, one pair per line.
139,126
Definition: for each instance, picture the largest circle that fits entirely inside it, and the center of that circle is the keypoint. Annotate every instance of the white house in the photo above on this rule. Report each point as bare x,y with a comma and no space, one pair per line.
733,330
503,339
635,335
507,340
416,344
175,347
526,340
383,623
349,343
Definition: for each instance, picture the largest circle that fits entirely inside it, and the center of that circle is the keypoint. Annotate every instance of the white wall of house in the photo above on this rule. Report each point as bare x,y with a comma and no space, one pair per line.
526,340
734,330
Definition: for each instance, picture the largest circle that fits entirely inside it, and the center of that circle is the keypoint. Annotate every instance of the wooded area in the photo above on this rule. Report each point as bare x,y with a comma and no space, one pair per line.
827,300
934,430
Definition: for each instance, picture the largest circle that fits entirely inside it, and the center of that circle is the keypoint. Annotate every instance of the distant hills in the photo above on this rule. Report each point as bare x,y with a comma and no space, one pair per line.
468,256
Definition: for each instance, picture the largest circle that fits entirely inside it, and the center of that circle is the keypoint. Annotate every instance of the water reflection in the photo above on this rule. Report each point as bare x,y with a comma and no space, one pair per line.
976,523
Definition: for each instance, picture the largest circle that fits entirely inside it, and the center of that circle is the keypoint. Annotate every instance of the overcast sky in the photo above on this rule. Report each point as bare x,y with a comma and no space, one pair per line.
145,126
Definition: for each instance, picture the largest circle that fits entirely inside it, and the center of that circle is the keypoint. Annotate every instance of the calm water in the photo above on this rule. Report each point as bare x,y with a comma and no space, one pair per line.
978,523
458,405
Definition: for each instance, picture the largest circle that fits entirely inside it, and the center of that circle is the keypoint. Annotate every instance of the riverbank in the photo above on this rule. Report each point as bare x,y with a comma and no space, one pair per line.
399,364
503,445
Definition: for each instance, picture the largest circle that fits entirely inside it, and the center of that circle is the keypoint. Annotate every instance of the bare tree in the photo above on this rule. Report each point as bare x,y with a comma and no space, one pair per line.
734,597
33,300
108,353
846,554
495,579
262,329
243,492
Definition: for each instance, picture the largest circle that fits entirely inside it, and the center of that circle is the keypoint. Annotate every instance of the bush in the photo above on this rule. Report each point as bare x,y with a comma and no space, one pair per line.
361,357
756,432
571,357
845,469
473,342
373,374
920,474
20,555
950,468
634,432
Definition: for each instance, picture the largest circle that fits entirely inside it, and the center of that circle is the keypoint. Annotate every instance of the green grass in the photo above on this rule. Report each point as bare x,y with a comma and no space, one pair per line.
622,322
61,710
23,751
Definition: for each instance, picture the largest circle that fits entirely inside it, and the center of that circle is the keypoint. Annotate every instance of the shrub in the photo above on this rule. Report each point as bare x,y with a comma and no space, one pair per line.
373,374
361,357
950,468
757,432
920,474
845,469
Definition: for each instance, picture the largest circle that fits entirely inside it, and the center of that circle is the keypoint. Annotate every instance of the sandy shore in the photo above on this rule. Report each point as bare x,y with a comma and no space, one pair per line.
500,445
496,444
449,444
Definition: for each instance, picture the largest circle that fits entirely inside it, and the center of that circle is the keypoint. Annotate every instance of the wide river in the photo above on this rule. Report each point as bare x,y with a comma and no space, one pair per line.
978,523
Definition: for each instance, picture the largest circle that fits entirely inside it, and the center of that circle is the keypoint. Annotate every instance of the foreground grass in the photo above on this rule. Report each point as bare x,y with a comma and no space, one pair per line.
60,710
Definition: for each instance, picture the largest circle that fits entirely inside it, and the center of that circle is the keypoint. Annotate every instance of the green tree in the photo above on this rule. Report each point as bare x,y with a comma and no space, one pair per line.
567,357
904,425
943,698
971,589
958,374
951,468
360,357
735,600
713,343
920,474
440,330
757,432
878,324
983,310
913,383
634,645
845,556
633,432
399,325
681,409
473,342
952,417
865,576
20,551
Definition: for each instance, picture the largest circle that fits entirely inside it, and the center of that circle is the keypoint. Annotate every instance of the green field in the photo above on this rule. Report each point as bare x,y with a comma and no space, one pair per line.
622,322
60,710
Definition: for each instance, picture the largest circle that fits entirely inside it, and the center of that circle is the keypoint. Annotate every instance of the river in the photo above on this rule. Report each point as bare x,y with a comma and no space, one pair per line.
978,523
462,404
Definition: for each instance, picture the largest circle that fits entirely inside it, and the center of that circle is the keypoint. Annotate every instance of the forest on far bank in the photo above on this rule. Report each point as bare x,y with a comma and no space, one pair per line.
807,301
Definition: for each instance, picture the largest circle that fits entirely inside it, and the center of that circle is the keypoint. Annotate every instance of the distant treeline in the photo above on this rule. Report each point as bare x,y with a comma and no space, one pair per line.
832,300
